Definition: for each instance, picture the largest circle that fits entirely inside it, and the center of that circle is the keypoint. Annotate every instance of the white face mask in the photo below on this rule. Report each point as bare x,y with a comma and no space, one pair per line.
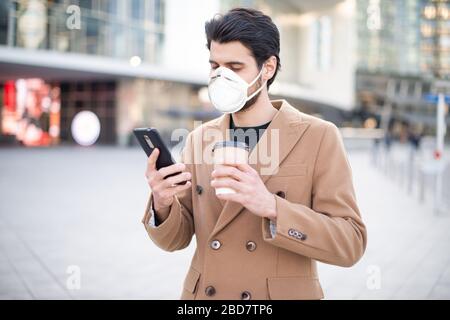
228,91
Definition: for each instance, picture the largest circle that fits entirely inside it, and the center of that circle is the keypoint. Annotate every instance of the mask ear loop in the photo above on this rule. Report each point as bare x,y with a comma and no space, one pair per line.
253,82
257,77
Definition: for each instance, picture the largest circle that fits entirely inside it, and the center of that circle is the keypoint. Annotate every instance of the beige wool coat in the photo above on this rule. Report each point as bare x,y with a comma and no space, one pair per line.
318,219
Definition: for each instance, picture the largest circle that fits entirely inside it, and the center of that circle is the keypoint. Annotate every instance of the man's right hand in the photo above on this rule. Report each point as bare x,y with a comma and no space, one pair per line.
164,190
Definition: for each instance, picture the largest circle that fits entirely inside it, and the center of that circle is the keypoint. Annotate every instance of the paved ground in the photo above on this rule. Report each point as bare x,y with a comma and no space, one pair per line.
73,209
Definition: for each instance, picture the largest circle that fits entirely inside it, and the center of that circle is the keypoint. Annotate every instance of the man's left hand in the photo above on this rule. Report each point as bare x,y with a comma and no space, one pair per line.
250,189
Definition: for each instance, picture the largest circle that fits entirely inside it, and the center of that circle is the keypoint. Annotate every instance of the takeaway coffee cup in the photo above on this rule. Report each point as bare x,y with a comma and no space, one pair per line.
228,153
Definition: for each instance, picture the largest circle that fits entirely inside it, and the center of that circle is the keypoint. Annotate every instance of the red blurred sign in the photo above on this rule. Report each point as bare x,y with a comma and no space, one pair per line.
31,112
10,96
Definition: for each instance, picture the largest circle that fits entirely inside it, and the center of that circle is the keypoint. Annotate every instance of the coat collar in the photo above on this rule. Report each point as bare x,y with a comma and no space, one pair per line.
284,131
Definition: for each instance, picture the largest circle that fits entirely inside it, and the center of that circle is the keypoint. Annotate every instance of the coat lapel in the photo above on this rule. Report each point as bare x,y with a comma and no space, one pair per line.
289,127
213,132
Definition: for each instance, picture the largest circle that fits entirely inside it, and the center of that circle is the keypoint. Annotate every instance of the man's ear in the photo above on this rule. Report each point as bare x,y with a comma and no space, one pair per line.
270,66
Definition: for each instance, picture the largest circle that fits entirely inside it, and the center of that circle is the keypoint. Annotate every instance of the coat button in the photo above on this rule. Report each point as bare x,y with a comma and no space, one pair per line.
215,244
210,291
281,194
199,189
297,234
246,295
251,246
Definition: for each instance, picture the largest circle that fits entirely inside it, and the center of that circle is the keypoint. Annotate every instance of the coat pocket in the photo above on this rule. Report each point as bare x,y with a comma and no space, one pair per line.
294,288
190,284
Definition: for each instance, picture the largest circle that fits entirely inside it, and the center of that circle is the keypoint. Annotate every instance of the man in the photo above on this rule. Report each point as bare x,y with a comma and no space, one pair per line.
263,241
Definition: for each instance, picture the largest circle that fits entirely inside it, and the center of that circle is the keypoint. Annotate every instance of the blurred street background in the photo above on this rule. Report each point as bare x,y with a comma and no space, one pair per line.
76,76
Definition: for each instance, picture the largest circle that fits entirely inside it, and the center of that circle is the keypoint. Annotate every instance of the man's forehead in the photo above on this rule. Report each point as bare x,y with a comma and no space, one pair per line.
233,51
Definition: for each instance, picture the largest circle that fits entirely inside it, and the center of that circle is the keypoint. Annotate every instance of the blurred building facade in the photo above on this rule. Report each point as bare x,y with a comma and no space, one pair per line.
144,62
403,57
115,58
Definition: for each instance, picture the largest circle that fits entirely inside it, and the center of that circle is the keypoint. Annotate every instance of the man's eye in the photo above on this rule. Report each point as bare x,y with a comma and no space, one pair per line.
214,67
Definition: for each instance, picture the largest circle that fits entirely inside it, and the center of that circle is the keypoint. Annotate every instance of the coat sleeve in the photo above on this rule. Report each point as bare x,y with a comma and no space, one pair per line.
332,230
176,231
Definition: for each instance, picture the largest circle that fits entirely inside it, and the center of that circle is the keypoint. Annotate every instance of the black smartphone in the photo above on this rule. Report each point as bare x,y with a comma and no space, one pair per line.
149,139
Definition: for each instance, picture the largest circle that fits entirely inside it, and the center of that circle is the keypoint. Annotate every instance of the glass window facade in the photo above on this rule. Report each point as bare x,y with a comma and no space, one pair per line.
408,37
113,28
435,32
389,35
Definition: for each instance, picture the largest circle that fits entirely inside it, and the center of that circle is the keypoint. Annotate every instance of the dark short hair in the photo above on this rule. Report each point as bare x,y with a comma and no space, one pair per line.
252,28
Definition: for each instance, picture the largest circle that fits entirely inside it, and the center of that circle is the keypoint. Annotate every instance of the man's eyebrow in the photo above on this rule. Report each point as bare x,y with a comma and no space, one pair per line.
229,62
